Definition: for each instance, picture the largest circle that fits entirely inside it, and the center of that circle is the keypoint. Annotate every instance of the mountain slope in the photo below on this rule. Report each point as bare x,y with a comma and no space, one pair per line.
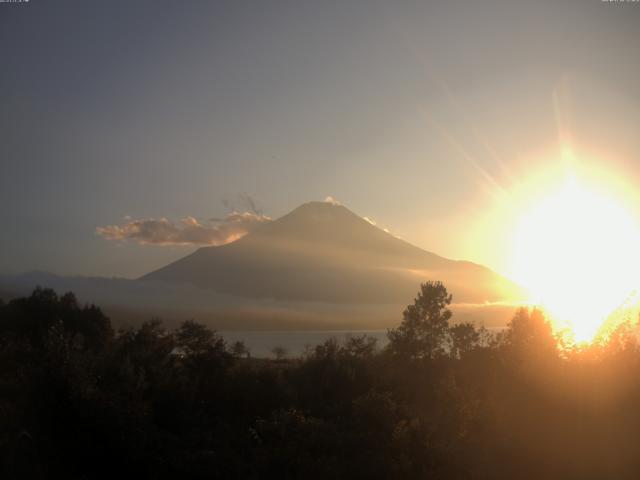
326,253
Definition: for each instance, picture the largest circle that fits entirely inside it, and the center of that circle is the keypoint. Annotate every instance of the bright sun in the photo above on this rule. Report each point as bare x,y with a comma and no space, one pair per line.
577,253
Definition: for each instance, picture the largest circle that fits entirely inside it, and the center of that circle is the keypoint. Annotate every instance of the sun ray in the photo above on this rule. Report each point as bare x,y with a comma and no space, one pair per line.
488,182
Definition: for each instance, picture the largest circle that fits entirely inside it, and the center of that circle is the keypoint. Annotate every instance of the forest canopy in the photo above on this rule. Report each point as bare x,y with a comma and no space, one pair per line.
441,400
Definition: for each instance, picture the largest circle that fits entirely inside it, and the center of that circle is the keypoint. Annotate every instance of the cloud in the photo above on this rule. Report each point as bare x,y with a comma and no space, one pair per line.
188,231
331,200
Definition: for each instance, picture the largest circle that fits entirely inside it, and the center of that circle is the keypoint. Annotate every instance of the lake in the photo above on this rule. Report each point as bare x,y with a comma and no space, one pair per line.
260,343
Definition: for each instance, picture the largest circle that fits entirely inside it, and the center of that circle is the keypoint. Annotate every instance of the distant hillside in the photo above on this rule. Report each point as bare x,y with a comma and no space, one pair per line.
325,253
319,267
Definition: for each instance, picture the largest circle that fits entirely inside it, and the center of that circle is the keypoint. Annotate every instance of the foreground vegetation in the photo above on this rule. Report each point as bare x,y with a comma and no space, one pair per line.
78,400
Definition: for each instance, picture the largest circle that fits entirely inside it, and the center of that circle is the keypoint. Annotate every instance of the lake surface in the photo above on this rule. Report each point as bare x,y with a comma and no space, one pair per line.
260,343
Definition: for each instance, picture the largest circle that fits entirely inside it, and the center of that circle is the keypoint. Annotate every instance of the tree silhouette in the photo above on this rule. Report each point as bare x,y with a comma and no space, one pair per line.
240,350
279,352
423,332
529,335
196,339
464,337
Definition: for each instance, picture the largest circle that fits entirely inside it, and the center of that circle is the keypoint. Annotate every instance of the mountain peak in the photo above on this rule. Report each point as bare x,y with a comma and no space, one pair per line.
319,222
316,207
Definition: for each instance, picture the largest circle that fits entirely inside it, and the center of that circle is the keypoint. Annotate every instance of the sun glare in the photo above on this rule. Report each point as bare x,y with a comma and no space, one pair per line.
577,252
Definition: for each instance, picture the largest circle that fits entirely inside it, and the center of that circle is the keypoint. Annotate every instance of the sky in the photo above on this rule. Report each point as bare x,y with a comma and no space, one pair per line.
423,116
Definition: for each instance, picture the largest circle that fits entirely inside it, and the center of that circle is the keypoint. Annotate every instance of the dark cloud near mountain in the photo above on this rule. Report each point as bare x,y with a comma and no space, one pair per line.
241,201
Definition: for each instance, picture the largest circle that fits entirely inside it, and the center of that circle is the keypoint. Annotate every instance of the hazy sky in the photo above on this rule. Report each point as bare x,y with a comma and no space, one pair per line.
411,113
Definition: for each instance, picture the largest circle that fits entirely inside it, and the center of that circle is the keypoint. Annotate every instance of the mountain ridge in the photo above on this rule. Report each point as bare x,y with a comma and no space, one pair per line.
325,252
